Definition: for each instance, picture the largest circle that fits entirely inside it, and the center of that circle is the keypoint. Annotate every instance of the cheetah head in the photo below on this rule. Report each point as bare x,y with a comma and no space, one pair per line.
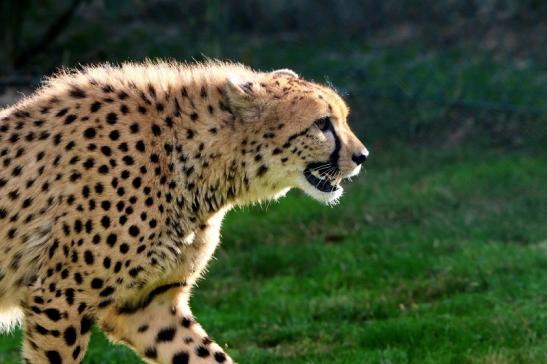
301,135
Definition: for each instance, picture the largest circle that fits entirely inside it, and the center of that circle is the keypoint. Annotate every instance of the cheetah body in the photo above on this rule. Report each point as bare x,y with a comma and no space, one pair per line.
113,185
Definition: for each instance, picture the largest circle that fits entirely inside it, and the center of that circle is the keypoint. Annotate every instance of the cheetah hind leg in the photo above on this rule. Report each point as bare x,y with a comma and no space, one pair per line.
164,332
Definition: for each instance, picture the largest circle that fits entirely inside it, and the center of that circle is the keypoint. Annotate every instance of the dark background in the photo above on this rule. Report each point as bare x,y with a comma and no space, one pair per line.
467,57
437,252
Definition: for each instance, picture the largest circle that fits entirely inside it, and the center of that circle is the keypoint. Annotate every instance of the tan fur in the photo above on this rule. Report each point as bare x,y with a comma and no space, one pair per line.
114,182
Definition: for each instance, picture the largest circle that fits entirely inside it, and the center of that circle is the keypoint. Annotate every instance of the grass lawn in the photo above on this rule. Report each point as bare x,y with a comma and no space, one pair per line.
431,257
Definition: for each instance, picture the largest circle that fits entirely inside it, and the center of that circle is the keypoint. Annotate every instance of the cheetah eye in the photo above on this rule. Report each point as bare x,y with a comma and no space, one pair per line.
323,124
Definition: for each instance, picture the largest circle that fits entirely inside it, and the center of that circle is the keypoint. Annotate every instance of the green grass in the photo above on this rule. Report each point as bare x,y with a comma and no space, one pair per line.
431,257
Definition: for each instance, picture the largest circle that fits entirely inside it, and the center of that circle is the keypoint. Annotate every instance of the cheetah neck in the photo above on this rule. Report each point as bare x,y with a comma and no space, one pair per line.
214,162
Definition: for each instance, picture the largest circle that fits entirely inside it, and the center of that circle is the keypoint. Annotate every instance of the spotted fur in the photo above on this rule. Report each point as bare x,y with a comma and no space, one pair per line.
114,182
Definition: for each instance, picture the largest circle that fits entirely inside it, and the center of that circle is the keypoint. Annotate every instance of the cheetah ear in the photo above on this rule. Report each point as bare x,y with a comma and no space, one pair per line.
244,97
285,72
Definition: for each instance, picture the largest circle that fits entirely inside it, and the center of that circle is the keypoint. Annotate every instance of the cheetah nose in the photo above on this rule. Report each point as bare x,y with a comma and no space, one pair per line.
360,158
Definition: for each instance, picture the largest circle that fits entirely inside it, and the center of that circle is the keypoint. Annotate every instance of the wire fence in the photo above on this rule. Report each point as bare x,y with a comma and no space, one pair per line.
443,101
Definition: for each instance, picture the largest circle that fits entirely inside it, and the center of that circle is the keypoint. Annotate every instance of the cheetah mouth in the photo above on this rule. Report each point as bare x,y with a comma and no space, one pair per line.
317,175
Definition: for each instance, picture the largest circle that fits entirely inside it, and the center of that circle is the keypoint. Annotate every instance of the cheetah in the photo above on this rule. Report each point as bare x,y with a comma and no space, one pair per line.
114,180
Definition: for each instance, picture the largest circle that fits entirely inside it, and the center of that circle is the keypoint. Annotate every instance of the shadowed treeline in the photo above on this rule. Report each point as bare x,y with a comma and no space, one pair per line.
39,35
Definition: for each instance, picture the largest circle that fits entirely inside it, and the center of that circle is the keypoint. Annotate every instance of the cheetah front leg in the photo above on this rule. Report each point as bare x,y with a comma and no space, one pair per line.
163,331
56,326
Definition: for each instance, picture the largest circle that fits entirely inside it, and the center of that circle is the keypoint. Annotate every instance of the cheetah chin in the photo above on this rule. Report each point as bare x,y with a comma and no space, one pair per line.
320,188
328,198
320,185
